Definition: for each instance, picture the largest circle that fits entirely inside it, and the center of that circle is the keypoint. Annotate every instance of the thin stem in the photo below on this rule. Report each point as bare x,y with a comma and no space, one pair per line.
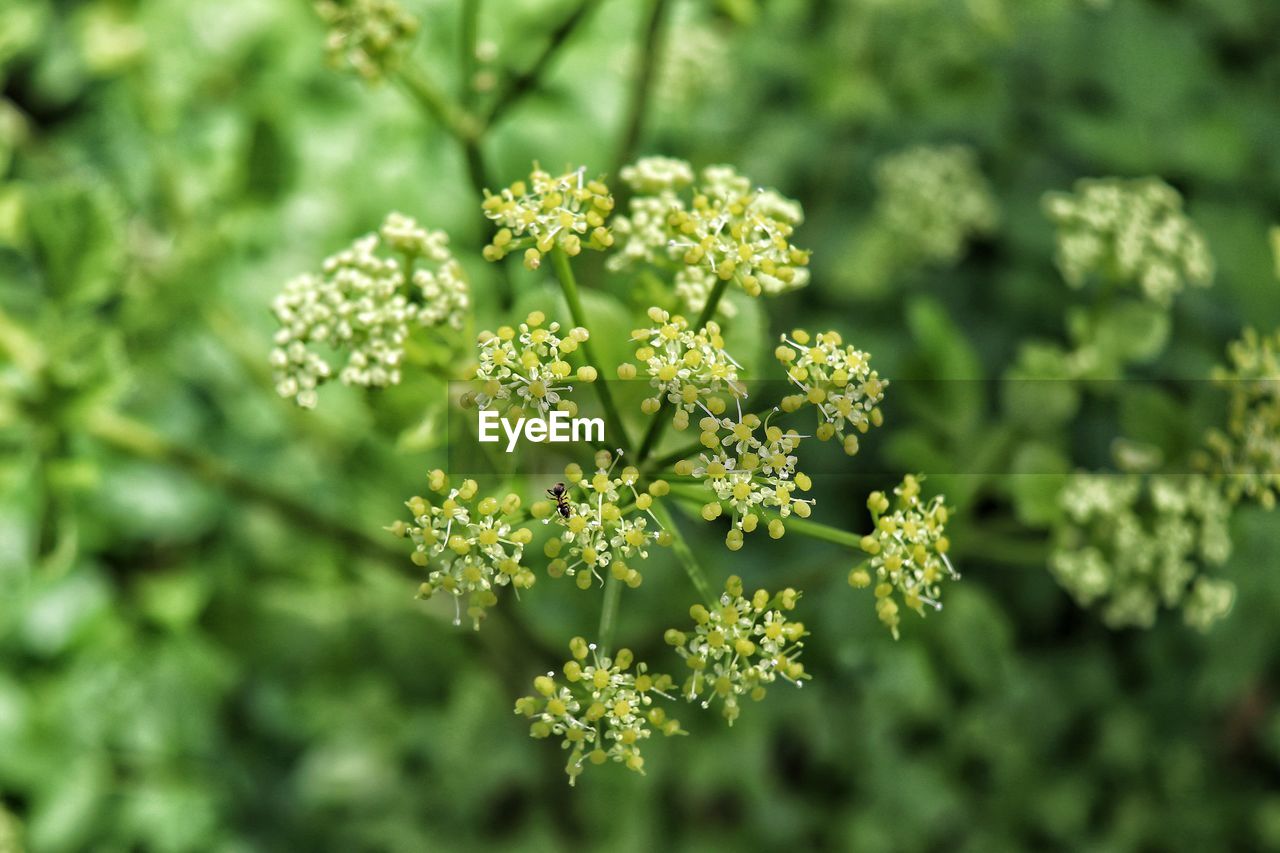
609,613
659,422
642,84
457,121
464,127
23,347
526,81
138,439
569,285
683,552
467,43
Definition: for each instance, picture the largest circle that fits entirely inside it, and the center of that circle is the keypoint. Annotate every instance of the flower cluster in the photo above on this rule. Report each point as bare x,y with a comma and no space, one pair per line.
725,227
740,645
749,473
1246,454
1129,232
567,211
603,711
366,303
838,380
908,552
468,546
1133,542
688,368
366,35
606,526
933,199
525,368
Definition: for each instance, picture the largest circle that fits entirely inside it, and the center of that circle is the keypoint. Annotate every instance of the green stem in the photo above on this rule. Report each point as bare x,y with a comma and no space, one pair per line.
23,347
659,422
526,81
458,122
683,552
642,88
138,439
609,613
569,285
467,130
469,38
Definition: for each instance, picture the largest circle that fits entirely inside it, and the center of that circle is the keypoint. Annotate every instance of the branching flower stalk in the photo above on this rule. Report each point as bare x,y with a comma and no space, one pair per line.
600,526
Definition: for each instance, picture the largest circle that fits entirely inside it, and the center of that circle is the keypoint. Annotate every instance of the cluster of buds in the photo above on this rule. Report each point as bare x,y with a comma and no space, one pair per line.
740,645
933,200
525,368
908,552
749,473
469,545
1132,543
603,711
604,521
1129,232
687,368
366,35
366,303
566,212
1246,454
837,380
724,226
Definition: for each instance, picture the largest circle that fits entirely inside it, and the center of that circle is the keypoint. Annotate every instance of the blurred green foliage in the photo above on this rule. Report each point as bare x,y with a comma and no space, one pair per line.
205,642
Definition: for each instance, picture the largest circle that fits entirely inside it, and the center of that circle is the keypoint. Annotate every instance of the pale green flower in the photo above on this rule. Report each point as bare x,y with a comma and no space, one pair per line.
739,646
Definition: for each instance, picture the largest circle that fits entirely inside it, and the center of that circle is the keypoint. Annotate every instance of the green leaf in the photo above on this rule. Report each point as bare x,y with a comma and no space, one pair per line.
1039,471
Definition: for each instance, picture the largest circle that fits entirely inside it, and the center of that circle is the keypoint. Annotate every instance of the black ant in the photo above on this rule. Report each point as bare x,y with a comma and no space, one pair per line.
560,495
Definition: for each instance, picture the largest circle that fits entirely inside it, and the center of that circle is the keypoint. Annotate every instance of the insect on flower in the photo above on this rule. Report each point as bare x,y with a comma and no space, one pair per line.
559,494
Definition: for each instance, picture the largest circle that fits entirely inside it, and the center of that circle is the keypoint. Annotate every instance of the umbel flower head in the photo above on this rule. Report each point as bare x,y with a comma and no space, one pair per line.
366,35
525,369
366,301
837,380
908,552
1246,454
1131,543
688,368
602,711
721,224
749,472
608,526
933,199
740,645
469,546
1131,232
566,211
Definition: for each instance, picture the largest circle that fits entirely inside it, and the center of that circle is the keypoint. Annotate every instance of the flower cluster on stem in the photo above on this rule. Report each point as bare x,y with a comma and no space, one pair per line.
837,380
470,545
607,525
526,368
568,211
1129,232
718,223
367,36
1131,543
739,645
604,709
1245,454
933,199
366,301
908,552
688,369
